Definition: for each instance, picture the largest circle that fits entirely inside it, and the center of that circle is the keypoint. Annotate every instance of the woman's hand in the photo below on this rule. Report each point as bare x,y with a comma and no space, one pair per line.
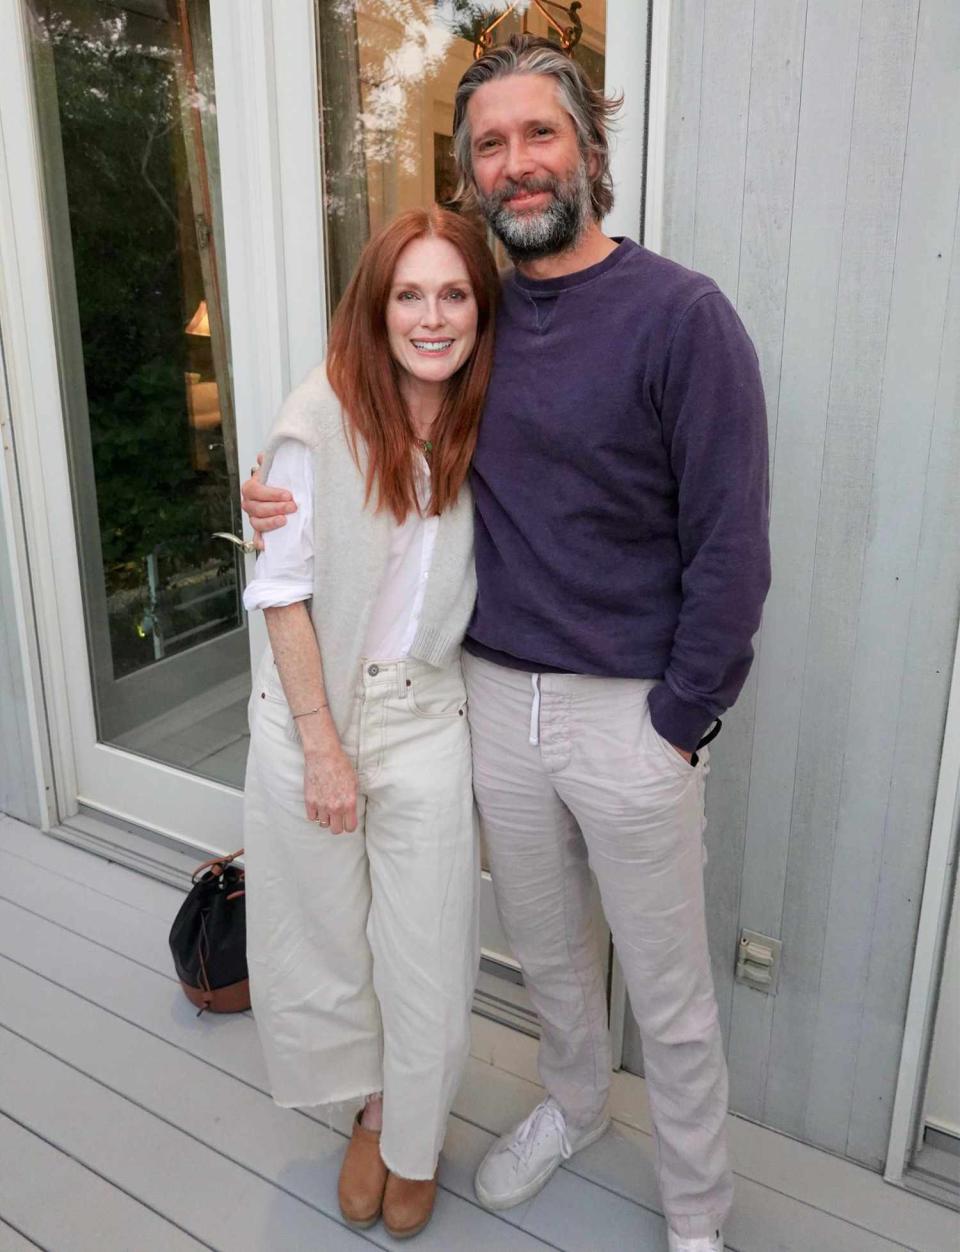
330,789
265,506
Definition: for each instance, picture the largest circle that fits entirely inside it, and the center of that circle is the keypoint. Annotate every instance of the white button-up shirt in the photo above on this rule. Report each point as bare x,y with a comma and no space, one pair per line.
284,570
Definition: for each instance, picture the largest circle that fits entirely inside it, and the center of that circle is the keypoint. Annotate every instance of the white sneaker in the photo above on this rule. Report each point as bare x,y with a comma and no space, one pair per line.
699,1243
521,1162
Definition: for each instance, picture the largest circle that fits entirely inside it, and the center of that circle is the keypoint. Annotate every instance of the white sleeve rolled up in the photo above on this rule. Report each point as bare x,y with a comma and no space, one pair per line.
284,570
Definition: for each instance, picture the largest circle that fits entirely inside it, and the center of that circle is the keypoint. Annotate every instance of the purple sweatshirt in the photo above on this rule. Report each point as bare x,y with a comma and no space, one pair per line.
620,481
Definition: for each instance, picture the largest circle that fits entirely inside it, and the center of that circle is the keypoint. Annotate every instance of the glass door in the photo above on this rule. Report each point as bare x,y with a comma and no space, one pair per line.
388,75
126,104
157,647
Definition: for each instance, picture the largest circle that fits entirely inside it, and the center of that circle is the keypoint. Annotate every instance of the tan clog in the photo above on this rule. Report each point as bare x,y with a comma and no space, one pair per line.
408,1205
363,1177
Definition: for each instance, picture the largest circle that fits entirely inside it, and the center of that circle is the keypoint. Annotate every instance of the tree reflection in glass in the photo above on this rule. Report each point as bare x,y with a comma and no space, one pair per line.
128,129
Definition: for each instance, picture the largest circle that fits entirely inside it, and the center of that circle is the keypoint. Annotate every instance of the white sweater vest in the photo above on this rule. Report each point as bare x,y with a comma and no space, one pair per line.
352,546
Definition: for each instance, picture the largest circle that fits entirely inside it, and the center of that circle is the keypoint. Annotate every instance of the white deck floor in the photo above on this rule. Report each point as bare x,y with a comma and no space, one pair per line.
128,1123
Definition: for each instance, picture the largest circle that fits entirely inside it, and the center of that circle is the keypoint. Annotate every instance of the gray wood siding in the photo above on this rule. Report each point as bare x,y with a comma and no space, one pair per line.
813,170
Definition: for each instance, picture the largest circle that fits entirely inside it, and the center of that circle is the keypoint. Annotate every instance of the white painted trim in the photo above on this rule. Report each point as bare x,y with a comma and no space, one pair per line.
657,125
15,554
268,130
931,937
625,61
252,226
301,177
33,387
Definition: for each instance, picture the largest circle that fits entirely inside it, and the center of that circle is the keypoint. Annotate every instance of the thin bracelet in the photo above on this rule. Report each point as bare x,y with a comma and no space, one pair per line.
310,712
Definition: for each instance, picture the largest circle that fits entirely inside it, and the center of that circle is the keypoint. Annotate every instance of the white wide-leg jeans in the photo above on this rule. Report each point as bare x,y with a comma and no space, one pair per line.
363,947
569,772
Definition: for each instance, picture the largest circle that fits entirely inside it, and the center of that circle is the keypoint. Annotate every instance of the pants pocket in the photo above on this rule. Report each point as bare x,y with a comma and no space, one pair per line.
437,694
667,751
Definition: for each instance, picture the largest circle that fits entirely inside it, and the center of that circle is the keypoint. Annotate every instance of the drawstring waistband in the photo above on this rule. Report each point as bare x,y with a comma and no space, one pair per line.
535,711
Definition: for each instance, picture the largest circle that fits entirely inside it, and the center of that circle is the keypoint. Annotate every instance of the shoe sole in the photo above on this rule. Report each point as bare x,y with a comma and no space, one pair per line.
407,1234
361,1223
538,1183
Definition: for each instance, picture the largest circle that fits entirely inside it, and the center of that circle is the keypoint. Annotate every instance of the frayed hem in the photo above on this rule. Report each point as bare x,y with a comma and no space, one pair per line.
359,1095
402,1173
322,1102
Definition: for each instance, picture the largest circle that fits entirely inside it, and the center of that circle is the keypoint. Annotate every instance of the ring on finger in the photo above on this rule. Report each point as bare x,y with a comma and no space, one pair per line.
321,822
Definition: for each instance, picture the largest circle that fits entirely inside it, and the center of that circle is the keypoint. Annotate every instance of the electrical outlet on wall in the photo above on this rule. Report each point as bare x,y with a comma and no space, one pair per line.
758,961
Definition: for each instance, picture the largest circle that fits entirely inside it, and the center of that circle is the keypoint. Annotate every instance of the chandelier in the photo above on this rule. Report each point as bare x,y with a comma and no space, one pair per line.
569,34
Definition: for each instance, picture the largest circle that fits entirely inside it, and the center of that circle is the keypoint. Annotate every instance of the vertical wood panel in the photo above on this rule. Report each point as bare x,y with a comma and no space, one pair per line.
806,1011
683,129
914,539
837,248
760,295
829,68
724,106
771,158
724,98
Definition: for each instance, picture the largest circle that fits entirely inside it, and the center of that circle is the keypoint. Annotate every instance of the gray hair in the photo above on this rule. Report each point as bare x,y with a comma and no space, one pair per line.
590,110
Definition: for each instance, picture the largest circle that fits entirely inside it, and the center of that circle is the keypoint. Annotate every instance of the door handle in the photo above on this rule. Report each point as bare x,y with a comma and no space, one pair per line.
245,545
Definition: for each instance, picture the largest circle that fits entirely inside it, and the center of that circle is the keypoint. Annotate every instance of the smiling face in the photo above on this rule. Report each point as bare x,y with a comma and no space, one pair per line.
531,180
431,312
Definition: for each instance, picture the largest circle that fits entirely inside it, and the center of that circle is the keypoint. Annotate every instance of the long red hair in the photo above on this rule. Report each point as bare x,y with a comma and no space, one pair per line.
366,378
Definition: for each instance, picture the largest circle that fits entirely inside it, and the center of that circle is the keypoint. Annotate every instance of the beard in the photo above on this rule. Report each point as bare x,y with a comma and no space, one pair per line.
556,228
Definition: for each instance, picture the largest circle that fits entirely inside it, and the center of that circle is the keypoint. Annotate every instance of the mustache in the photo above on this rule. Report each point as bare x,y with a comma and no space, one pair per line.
527,186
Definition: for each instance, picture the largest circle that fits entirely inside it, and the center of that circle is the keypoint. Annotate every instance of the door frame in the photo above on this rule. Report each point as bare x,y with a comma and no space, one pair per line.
938,887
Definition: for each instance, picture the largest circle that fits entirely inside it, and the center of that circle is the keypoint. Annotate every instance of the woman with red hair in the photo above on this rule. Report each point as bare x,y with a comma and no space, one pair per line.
361,849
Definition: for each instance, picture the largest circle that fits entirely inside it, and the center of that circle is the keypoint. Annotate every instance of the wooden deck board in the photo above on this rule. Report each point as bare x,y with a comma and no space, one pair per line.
52,1201
111,1081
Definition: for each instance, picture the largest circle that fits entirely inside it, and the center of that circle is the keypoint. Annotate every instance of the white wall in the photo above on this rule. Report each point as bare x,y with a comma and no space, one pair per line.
813,169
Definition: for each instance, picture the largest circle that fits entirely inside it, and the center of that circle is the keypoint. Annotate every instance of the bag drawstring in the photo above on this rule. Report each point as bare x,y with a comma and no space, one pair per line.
201,953
218,864
218,867
535,711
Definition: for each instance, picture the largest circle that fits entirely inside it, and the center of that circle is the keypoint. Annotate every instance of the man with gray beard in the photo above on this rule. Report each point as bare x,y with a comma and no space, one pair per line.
620,481
531,236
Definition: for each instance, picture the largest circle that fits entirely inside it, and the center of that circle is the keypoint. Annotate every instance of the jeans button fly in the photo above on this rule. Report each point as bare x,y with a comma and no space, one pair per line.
373,670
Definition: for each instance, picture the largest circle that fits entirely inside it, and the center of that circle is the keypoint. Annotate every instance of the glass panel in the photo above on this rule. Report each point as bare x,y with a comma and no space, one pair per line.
128,129
388,73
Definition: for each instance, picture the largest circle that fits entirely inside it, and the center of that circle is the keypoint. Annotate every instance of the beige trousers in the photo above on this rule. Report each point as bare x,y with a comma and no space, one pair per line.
569,773
363,947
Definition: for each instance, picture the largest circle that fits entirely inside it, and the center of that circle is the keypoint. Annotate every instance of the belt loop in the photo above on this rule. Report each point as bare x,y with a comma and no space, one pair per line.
401,680
535,711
